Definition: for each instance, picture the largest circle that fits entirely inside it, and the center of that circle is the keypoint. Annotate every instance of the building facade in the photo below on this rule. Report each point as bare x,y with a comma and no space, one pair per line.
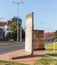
6,26
48,36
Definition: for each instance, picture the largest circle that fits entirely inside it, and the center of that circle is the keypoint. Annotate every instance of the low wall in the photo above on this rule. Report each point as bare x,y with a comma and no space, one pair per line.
38,39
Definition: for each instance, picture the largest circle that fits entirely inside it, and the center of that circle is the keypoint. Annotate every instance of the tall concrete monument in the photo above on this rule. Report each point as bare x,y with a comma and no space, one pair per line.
29,33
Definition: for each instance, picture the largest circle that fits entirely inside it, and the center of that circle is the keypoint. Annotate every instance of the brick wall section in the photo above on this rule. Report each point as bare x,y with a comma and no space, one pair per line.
38,40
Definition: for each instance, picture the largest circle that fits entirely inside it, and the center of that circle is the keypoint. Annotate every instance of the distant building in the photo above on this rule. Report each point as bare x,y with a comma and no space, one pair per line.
15,19
6,26
48,36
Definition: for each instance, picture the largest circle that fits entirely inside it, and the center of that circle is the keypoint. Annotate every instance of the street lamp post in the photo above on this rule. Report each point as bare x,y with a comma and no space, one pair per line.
18,23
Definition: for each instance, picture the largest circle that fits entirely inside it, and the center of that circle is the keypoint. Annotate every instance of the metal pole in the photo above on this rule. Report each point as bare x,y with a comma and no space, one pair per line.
21,33
17,23
17,19
54,46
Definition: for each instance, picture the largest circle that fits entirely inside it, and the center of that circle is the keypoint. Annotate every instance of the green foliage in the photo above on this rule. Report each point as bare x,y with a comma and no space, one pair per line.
45,61
13,26
55,35
11,35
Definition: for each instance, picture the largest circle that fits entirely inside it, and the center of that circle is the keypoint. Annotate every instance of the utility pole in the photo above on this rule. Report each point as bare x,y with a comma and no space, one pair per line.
18,22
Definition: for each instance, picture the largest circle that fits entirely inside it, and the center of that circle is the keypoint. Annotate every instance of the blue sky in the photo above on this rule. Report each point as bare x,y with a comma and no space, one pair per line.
45,12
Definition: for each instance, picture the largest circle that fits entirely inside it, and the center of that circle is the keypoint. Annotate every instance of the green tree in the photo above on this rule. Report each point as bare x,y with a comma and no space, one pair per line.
9,35
13,26
55,35
13,34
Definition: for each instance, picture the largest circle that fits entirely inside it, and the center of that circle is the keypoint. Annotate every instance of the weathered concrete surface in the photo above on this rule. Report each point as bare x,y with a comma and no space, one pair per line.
29,33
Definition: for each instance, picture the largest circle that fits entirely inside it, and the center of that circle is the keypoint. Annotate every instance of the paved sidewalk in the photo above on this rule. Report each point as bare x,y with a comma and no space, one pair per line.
27,60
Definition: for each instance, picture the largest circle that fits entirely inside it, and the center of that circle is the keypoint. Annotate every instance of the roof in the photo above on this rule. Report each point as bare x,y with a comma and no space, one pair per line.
2,23
5,23
48,35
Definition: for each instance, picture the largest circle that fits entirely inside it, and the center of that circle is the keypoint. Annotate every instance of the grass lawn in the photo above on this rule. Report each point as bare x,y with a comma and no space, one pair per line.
54,54
46,61
42,61
10,63
50,46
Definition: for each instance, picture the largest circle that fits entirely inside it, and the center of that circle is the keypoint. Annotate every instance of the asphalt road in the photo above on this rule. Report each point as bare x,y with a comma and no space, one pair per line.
5,48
